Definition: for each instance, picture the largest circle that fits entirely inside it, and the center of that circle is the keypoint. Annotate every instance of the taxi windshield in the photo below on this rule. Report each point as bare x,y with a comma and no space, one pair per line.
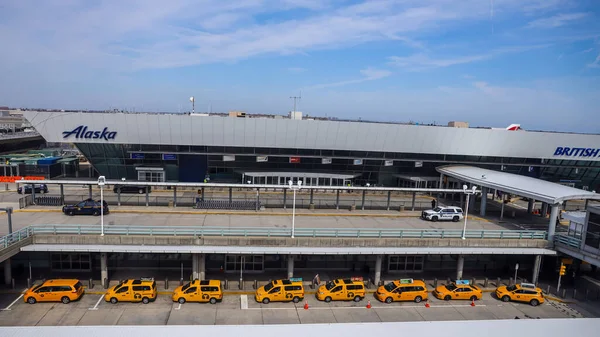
329,285
118,286
450,287
185,287
511,288
390,286
269,286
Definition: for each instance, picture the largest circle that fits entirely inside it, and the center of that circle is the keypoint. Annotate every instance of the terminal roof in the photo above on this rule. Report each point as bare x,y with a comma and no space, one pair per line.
286,250
524,186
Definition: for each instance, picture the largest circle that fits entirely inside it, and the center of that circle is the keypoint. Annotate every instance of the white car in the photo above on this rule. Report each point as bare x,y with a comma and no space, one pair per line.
443,213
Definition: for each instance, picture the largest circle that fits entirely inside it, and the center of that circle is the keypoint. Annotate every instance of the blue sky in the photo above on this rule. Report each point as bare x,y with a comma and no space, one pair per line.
488,62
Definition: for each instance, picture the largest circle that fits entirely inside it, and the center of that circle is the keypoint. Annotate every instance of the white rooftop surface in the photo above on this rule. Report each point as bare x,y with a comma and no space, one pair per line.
495,328
300,175
524,186
285,250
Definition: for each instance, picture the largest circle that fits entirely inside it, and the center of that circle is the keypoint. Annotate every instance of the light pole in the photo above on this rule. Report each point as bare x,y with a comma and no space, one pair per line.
468,193
516,270
294,188
193,100
101,183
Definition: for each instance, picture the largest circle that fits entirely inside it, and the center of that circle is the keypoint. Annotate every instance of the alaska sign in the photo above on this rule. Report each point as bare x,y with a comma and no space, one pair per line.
82,132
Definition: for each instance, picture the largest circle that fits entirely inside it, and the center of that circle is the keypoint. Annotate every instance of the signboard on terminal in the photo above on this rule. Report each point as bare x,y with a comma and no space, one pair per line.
294,160
135,155
577,152
261,159
388,163
169,156
82,132
358,161
326,161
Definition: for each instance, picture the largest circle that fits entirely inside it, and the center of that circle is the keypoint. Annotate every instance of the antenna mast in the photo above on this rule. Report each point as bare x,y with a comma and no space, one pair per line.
295,98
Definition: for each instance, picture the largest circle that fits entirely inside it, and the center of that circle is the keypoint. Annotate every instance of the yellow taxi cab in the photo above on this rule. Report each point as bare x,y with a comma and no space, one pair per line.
402,290
458,290
141,290
281,291
523,292
199,291
342,290
59,290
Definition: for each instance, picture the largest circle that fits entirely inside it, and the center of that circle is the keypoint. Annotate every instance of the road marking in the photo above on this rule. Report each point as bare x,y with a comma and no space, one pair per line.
13,303
244,302
96,306
179,307
363,308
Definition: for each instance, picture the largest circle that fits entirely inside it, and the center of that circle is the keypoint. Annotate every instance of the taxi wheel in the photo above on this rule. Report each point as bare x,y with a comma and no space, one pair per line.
96,212
505,298
65,300
296,299
181,300
327,299
434,219
31,300
71,213
357,298
213,300
418,299
534,303
455,219
447,298
388,300
473,298
114,300
145,300
266,300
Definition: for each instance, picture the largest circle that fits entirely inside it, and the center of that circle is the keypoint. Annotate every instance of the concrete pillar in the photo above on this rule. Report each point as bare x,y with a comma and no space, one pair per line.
201,266
90,191
459,267
544,210
337,200
362,206
552,225
389,199
484,193
103,268
312,190
290,266
536,269
414,196
147,196
119,196
530,204
195,275
174,196
377,277
7,272
502,207
62,193
32,193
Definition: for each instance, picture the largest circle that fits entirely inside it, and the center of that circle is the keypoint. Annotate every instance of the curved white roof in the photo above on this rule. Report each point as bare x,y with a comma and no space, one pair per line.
524,186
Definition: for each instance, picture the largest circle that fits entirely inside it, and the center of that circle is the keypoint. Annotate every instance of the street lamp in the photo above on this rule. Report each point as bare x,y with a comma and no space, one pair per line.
468,193
101,183
294,188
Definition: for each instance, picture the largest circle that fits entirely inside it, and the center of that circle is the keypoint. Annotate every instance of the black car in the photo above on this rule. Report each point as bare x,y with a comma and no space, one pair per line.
39,188
86,207
132,189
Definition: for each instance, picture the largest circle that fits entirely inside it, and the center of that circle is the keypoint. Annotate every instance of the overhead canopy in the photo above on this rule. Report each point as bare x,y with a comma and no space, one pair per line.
285,250
524,186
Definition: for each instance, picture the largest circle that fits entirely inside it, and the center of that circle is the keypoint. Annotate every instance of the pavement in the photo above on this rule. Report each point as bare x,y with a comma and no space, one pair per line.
91,309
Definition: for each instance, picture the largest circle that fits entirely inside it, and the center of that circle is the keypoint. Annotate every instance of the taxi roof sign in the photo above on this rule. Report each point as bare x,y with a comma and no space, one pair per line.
356,278
296,279
146,278
528,285
406,280
462,282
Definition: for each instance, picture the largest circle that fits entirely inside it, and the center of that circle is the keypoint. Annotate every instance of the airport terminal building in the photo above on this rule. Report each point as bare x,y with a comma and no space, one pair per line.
273,149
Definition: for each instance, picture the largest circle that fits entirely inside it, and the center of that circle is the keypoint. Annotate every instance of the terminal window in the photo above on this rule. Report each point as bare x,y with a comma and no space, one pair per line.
405,263
71,262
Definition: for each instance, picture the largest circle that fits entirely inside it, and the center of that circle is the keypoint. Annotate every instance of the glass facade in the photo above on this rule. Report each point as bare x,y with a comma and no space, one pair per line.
227,164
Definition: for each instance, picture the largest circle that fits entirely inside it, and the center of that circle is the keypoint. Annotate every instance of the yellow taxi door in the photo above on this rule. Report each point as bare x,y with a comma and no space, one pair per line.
276,294
337,293
44,294
457,294
123,294
519,295
192,294
466,293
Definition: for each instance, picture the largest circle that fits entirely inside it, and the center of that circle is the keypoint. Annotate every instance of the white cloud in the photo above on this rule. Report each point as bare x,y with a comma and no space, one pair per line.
369,74
596,63
557,20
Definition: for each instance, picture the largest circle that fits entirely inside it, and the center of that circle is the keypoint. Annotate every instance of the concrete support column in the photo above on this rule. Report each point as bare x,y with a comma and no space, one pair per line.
362,206
502,206
195,275
201,266
119,196
312,190
147,197
544,210
377,277
290,266
389,199
337,200
536,269
7,272
90,191
414,196
33,193
552,225
530,204
484,193
62,193
284,198
104,269
459,267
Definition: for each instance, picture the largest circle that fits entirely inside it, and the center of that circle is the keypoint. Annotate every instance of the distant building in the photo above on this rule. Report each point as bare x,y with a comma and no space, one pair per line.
458,124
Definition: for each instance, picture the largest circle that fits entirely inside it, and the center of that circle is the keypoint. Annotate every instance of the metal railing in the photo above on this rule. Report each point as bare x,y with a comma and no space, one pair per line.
568,241
199,231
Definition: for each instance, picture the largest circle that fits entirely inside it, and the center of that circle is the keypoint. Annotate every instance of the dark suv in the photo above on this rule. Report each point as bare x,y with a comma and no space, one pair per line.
86,207
39,188
132,189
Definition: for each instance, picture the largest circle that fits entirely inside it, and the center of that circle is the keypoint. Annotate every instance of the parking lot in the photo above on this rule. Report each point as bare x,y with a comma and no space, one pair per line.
92,310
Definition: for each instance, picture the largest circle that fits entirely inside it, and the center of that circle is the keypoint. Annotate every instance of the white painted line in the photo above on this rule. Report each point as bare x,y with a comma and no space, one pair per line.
364,308
96,306
179,307
13,303
244,302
